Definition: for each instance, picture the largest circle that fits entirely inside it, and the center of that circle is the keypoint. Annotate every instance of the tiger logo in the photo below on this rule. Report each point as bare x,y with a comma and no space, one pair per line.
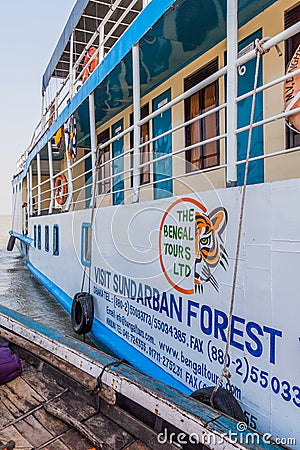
209,247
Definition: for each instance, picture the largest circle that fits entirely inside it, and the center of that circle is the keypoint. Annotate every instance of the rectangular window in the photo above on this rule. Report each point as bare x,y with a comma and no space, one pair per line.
86,240
103,164
291,17
145,155
46,238
34,236
207,155
39,237
55,240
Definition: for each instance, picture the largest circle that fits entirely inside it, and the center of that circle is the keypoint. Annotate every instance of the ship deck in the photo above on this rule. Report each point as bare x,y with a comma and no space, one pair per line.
40,410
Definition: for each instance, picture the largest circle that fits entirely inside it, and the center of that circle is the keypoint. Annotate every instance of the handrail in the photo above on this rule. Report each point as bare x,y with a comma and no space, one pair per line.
151,161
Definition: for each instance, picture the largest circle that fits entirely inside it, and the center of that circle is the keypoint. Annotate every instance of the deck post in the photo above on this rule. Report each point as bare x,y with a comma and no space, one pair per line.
232,81
70,185
50,159
43,117
38,163
93,145
71,78
101,39
136,120
30,191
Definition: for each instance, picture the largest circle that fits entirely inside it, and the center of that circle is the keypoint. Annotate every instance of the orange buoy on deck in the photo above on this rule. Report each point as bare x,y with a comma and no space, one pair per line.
89,67
61,189
292,90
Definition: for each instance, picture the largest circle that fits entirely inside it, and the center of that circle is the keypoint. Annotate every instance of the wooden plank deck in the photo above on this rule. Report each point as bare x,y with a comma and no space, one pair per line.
135,407
24,417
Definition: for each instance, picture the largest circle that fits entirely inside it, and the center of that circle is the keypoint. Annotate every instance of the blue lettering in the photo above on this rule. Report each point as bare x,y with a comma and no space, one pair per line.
155,299
191,313
220,326
206,329
115,285
273,333
256,351
236,331
177,308
164,304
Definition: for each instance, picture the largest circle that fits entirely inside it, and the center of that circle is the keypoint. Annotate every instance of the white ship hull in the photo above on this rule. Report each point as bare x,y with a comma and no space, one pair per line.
179,338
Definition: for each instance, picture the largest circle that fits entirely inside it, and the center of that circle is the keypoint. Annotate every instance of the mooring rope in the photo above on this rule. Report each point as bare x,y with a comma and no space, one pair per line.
225,371
93,201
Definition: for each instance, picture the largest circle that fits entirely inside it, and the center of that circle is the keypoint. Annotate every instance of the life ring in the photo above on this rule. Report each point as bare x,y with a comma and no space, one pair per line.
61,189
82,314
89,67
223,401
292,90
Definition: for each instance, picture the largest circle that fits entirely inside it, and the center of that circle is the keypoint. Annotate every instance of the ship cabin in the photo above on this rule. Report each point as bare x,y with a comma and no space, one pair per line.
147,99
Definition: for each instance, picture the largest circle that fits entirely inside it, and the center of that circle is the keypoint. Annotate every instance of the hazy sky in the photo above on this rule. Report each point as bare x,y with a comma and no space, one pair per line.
29,32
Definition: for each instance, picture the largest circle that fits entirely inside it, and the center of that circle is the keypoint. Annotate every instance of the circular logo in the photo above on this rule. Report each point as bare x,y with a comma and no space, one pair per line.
177,243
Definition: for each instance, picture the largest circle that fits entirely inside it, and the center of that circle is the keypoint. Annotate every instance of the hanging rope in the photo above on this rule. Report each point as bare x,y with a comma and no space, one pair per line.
93,212
225,372
93,198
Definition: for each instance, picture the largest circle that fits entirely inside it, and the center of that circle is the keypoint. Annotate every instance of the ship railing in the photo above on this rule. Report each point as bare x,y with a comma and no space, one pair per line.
73,81
221,136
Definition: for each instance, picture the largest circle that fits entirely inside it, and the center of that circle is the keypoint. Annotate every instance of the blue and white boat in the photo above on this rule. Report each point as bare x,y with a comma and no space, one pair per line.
163,182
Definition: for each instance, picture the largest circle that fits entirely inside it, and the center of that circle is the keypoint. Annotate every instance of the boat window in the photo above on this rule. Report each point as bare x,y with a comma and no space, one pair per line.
145,155
55,240
86,237
39,237
34,236
103,172
291,17
46,238
207,155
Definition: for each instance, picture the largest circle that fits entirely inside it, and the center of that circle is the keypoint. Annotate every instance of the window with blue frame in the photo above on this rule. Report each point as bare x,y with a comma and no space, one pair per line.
34,236
46,238
207,155
86,239
55,240
39,237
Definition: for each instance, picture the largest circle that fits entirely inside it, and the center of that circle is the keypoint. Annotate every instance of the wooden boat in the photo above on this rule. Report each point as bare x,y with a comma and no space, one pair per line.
72,396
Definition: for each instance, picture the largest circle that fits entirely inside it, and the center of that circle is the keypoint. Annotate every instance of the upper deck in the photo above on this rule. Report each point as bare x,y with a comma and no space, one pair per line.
152,56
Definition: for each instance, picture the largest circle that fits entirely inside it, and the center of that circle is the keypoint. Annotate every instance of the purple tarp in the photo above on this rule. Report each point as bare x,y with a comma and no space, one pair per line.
10,364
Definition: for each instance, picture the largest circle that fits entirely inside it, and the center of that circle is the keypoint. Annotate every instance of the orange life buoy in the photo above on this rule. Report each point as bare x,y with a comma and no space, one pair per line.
61,189
292,88
88,66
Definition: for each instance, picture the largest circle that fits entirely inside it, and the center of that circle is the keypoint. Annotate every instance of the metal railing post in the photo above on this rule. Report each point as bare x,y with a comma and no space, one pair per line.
30,191
93,144
71,75
136,119
38,163
50,160
232,80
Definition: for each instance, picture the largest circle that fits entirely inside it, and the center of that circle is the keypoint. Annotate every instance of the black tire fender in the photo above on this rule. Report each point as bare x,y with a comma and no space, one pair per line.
11,243
82,314
223,401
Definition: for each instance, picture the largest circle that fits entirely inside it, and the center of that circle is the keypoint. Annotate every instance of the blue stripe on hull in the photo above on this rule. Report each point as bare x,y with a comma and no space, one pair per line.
117,345
58,293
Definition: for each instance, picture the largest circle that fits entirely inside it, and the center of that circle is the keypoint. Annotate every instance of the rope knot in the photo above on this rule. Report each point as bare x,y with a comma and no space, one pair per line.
226,374
259,46
259,49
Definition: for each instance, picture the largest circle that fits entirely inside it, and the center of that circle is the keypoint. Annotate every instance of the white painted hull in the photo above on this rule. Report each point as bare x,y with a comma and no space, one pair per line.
184,334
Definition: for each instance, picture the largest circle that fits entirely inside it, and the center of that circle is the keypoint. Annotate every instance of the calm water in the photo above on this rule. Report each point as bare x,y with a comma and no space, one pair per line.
20,292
